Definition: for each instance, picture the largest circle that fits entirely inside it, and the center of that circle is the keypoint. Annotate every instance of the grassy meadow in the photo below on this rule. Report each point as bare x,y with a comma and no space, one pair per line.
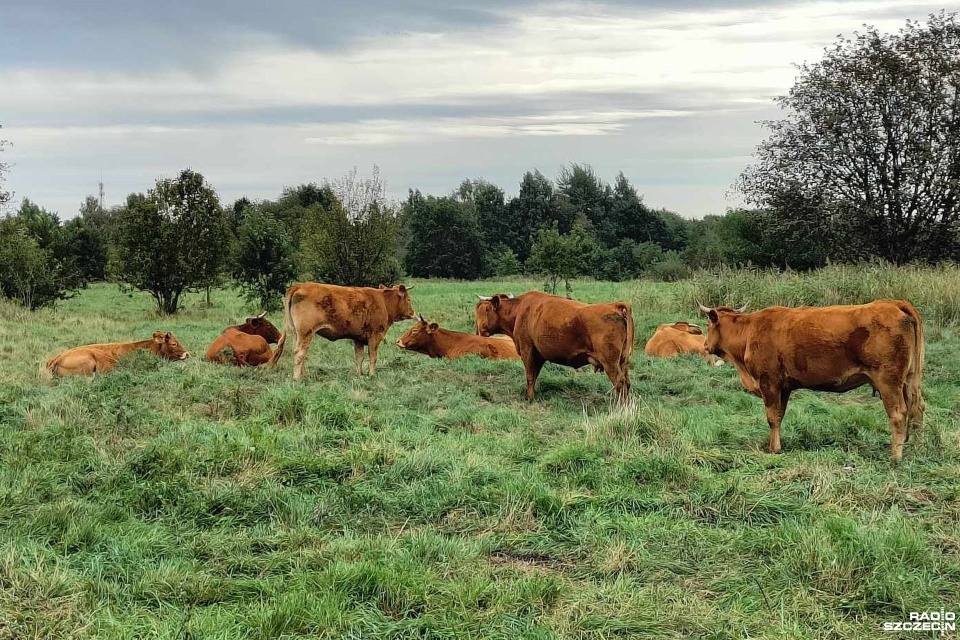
189,500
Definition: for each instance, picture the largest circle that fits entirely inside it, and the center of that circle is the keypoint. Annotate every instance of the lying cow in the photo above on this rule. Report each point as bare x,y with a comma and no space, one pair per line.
548,328
360,314
436,342
679,338
101,358
248,344
778,350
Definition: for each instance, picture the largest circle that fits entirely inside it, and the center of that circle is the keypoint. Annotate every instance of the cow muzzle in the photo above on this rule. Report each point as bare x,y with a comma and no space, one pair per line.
401,345
185,355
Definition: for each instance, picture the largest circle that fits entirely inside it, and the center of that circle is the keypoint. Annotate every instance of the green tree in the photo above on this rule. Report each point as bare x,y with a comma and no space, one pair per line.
5,196
868,154
445,238
350,232
172,240
561,257
265,262
536,206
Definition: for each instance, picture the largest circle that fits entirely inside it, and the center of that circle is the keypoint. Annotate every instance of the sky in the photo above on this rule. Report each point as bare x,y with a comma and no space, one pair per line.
258,96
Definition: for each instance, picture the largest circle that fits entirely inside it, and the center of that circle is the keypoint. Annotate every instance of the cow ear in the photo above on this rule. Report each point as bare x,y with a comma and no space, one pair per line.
382,286
254,322
158,336
712,315
168,337
433,326
495,302
402,289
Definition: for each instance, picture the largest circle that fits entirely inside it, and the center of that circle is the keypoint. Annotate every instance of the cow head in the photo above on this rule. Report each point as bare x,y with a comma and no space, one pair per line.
686,327
720,320
487,314
167,346
260,326
418,336
401,295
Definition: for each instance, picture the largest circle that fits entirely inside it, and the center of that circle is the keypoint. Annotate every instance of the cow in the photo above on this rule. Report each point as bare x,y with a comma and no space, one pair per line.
549,328
248,344
838,348
436,342
101,358
679,338
360,314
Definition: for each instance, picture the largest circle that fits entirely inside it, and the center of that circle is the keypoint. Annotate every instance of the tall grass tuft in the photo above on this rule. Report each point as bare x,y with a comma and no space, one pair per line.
935,291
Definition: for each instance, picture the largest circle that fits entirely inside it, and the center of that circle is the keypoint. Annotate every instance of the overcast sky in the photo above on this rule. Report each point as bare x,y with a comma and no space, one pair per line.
261,95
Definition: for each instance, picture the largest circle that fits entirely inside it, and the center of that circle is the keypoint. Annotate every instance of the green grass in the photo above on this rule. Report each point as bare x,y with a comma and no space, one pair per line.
188,500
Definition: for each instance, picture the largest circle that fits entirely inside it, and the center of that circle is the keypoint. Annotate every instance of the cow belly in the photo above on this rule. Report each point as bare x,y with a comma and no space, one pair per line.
840,386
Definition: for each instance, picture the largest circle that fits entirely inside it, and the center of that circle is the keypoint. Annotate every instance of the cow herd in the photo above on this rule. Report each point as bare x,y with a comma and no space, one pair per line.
776,350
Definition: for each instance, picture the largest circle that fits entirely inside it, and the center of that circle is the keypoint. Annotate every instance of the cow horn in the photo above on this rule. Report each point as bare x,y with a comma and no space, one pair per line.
743,308
420,315
484,297
510,296
410,287
262,315
703,309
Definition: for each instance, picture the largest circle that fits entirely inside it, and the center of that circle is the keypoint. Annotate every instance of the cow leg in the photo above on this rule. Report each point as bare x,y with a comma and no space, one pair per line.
358,356
775,402
532,364
374,345
620,380
896,408
300,357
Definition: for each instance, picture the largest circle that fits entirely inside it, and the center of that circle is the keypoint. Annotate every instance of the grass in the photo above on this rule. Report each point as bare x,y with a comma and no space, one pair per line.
188,500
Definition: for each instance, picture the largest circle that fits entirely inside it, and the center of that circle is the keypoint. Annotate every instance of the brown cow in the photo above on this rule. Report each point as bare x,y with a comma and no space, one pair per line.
248,344
548,328
101,358
435,342
679,338
360,314
778,350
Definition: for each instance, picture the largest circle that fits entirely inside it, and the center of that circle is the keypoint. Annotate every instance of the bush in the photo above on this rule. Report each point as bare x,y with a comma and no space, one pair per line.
669,268
265,263
935,291
504,262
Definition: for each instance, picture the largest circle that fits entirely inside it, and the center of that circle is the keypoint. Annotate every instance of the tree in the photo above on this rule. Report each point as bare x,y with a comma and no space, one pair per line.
561,257
350,233
5,196
265,263
535,207
172,240
36,266
869,152
445,239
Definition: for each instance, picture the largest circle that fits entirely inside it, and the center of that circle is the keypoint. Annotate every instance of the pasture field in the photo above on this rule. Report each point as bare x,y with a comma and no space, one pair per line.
189,500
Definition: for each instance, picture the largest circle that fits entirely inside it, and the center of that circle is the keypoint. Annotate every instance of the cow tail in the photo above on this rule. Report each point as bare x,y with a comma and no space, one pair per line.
915,374
272,362
50,370
627,350
287,325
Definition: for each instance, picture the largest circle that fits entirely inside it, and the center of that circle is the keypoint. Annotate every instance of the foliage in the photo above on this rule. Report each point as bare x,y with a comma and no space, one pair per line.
172,240
560,257
349,232
265,262
445,238
935,291
869,152
504,262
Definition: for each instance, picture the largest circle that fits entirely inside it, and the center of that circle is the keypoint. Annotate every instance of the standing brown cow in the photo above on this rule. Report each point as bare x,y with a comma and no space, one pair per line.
247,344
433,340
360,314
778,350
101,358
549,328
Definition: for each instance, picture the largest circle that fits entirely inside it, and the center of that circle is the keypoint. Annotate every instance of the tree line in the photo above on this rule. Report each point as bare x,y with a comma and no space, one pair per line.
865,165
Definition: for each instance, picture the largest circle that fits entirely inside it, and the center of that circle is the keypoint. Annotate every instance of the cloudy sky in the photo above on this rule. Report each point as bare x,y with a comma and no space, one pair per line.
260,95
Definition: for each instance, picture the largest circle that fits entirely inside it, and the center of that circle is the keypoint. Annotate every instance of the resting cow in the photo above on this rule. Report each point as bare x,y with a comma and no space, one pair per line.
779,349
430,339
247,344
360,314
101,358
679,338
548,328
